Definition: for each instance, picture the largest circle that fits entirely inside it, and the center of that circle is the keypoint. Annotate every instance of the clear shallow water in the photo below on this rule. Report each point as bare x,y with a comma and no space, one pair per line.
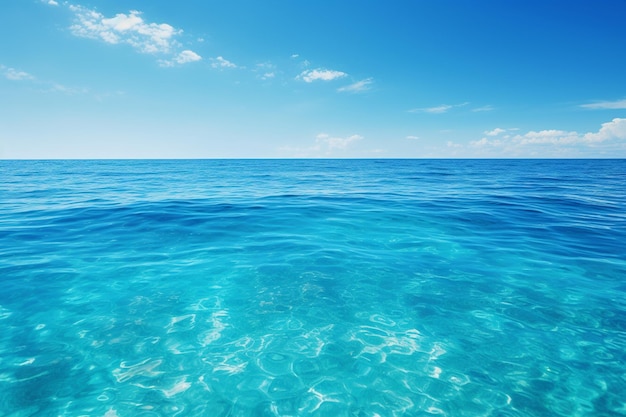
313,288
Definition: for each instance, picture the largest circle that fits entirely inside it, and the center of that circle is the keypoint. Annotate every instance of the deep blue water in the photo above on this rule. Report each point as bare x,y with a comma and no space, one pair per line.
313,288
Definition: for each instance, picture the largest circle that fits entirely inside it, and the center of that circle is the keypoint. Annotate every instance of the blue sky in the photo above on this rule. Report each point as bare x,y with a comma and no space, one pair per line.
353,78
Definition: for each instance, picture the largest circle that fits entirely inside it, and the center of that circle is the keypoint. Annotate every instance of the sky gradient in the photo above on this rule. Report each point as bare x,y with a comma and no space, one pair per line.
284,79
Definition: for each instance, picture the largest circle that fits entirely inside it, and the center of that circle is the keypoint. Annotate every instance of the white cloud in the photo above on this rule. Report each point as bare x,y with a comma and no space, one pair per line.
184,57
220,62
412,137
50,2
124,28
337,142
495,132
437,109
16,75
606,105
320,74
615,129
486,142
358,86
187,56
552,136
294,56
325,145
131,29
554,139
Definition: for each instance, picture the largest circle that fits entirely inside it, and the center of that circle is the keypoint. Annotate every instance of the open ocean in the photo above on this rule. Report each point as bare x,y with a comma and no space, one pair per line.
364,288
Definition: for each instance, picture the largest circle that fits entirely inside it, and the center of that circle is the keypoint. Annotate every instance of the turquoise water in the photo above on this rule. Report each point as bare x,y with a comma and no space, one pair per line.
313,288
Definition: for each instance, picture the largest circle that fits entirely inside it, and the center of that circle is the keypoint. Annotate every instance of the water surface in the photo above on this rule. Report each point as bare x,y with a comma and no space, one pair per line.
313,288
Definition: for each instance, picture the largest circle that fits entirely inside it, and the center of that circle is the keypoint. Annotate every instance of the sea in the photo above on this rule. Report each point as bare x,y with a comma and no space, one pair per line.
312,287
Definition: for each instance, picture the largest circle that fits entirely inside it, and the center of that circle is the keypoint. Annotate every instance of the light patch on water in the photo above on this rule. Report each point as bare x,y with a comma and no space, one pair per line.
230,363
4,313
111,412
316,340
383,342
179,386
436,351
219,326
380,319
181,323
144,368
207,303
320,399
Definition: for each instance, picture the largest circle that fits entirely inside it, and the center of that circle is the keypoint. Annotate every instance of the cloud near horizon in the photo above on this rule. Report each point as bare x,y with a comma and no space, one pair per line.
325,145
615,130
495,132
337,142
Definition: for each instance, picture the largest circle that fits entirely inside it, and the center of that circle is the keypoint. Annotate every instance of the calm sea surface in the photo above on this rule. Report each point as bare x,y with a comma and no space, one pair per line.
313,288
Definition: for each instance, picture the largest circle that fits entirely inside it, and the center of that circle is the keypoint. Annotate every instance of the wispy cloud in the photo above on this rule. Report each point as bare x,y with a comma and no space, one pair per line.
320,74
483,108
605,105
60,88
50,2
265,70
222,63
14,74
438,109
412,137
41,85
133,30
357,87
